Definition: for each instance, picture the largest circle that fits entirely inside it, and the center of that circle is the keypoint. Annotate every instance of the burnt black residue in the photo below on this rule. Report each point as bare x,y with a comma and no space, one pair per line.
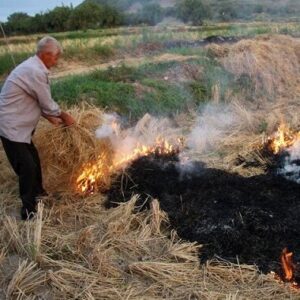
216,39
251,219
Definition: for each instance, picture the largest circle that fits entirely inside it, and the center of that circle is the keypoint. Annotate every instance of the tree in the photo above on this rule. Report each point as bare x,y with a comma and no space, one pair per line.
194,11
111,17
57,18
151,14
38,23
87,15
18,22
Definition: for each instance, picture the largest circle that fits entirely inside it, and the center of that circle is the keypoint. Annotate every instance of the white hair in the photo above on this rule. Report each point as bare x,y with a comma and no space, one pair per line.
48,44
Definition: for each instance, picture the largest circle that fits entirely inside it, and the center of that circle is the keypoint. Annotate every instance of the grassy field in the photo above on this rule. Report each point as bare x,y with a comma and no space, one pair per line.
236,93
99,45
136,90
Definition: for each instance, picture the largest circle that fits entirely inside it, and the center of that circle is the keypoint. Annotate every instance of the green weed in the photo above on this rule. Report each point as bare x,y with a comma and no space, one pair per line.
7,64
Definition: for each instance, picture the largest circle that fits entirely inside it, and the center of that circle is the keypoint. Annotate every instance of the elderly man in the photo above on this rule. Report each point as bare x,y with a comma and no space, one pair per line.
25,96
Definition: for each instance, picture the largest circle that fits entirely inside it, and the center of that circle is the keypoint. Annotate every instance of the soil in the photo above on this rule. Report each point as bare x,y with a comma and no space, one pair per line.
213,39
77,68
72,68
246,219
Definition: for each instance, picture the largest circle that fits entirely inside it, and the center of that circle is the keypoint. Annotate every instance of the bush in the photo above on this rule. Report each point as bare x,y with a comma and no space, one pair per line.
194,11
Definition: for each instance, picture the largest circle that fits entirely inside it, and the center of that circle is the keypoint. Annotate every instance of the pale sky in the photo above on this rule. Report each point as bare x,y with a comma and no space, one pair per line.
31,7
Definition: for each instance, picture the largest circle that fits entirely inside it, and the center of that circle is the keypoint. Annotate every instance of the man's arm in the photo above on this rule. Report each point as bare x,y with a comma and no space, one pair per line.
50,109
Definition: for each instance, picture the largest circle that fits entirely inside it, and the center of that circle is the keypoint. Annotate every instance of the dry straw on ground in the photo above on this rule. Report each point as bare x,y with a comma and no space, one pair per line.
77,249
271,62
120,254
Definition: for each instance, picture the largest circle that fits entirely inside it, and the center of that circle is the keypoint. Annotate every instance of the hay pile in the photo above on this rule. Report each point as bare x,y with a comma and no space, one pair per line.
271,62
64,151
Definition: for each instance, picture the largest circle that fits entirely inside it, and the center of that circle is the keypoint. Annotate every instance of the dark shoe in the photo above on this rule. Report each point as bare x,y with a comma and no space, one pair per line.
27,214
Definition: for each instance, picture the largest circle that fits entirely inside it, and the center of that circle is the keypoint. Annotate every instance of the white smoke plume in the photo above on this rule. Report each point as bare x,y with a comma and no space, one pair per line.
144,133
291,167
110,126
214,123
211,127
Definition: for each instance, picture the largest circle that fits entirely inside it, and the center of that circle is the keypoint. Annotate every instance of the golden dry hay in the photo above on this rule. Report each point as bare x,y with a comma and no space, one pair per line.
94,253
271,62
76,248
64,150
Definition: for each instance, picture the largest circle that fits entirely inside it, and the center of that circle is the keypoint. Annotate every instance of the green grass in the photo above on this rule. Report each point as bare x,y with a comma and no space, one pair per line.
126,73
187,51
7,64
119,97
115,88
113,96
79,51
134,91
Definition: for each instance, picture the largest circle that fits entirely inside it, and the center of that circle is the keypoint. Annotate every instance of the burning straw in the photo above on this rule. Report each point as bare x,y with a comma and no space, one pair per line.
63,151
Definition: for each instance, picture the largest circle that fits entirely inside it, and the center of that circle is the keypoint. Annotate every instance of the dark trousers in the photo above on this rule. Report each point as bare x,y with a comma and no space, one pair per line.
25,161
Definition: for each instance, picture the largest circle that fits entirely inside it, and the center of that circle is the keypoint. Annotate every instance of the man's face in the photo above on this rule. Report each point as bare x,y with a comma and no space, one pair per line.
49,59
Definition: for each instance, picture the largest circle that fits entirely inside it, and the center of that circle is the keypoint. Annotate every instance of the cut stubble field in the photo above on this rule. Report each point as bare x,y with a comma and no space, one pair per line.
76,248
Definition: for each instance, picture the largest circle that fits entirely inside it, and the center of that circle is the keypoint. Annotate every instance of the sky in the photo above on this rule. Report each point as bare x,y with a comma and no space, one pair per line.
31,7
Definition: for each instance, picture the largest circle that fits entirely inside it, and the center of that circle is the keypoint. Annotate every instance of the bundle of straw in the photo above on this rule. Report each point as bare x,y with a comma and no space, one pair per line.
64,150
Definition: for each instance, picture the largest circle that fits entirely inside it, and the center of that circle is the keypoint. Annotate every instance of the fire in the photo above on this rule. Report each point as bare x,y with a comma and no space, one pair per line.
289,269
287,264
95,174
161,147
283,138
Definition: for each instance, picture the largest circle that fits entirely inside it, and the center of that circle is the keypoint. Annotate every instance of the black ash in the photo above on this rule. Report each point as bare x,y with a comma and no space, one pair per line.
251,219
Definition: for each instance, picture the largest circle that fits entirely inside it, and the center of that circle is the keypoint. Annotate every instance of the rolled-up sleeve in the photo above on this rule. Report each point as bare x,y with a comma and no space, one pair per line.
40,88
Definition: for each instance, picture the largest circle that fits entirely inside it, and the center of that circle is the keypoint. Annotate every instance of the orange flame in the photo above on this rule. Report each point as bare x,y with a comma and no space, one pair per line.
287,264
161,147
283,138
95,174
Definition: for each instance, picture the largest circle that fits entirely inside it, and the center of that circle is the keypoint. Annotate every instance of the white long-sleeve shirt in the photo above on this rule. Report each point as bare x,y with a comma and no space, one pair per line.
25,95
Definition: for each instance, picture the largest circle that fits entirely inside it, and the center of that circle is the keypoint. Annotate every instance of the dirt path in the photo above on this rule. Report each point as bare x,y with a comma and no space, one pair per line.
77,68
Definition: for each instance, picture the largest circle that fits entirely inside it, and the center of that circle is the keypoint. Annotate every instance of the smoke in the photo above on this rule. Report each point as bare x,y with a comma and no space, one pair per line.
211,127
291,164
110,126
145,133
215,123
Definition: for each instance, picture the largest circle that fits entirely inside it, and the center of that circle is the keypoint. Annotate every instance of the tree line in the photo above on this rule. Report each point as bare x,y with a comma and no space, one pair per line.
92,14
